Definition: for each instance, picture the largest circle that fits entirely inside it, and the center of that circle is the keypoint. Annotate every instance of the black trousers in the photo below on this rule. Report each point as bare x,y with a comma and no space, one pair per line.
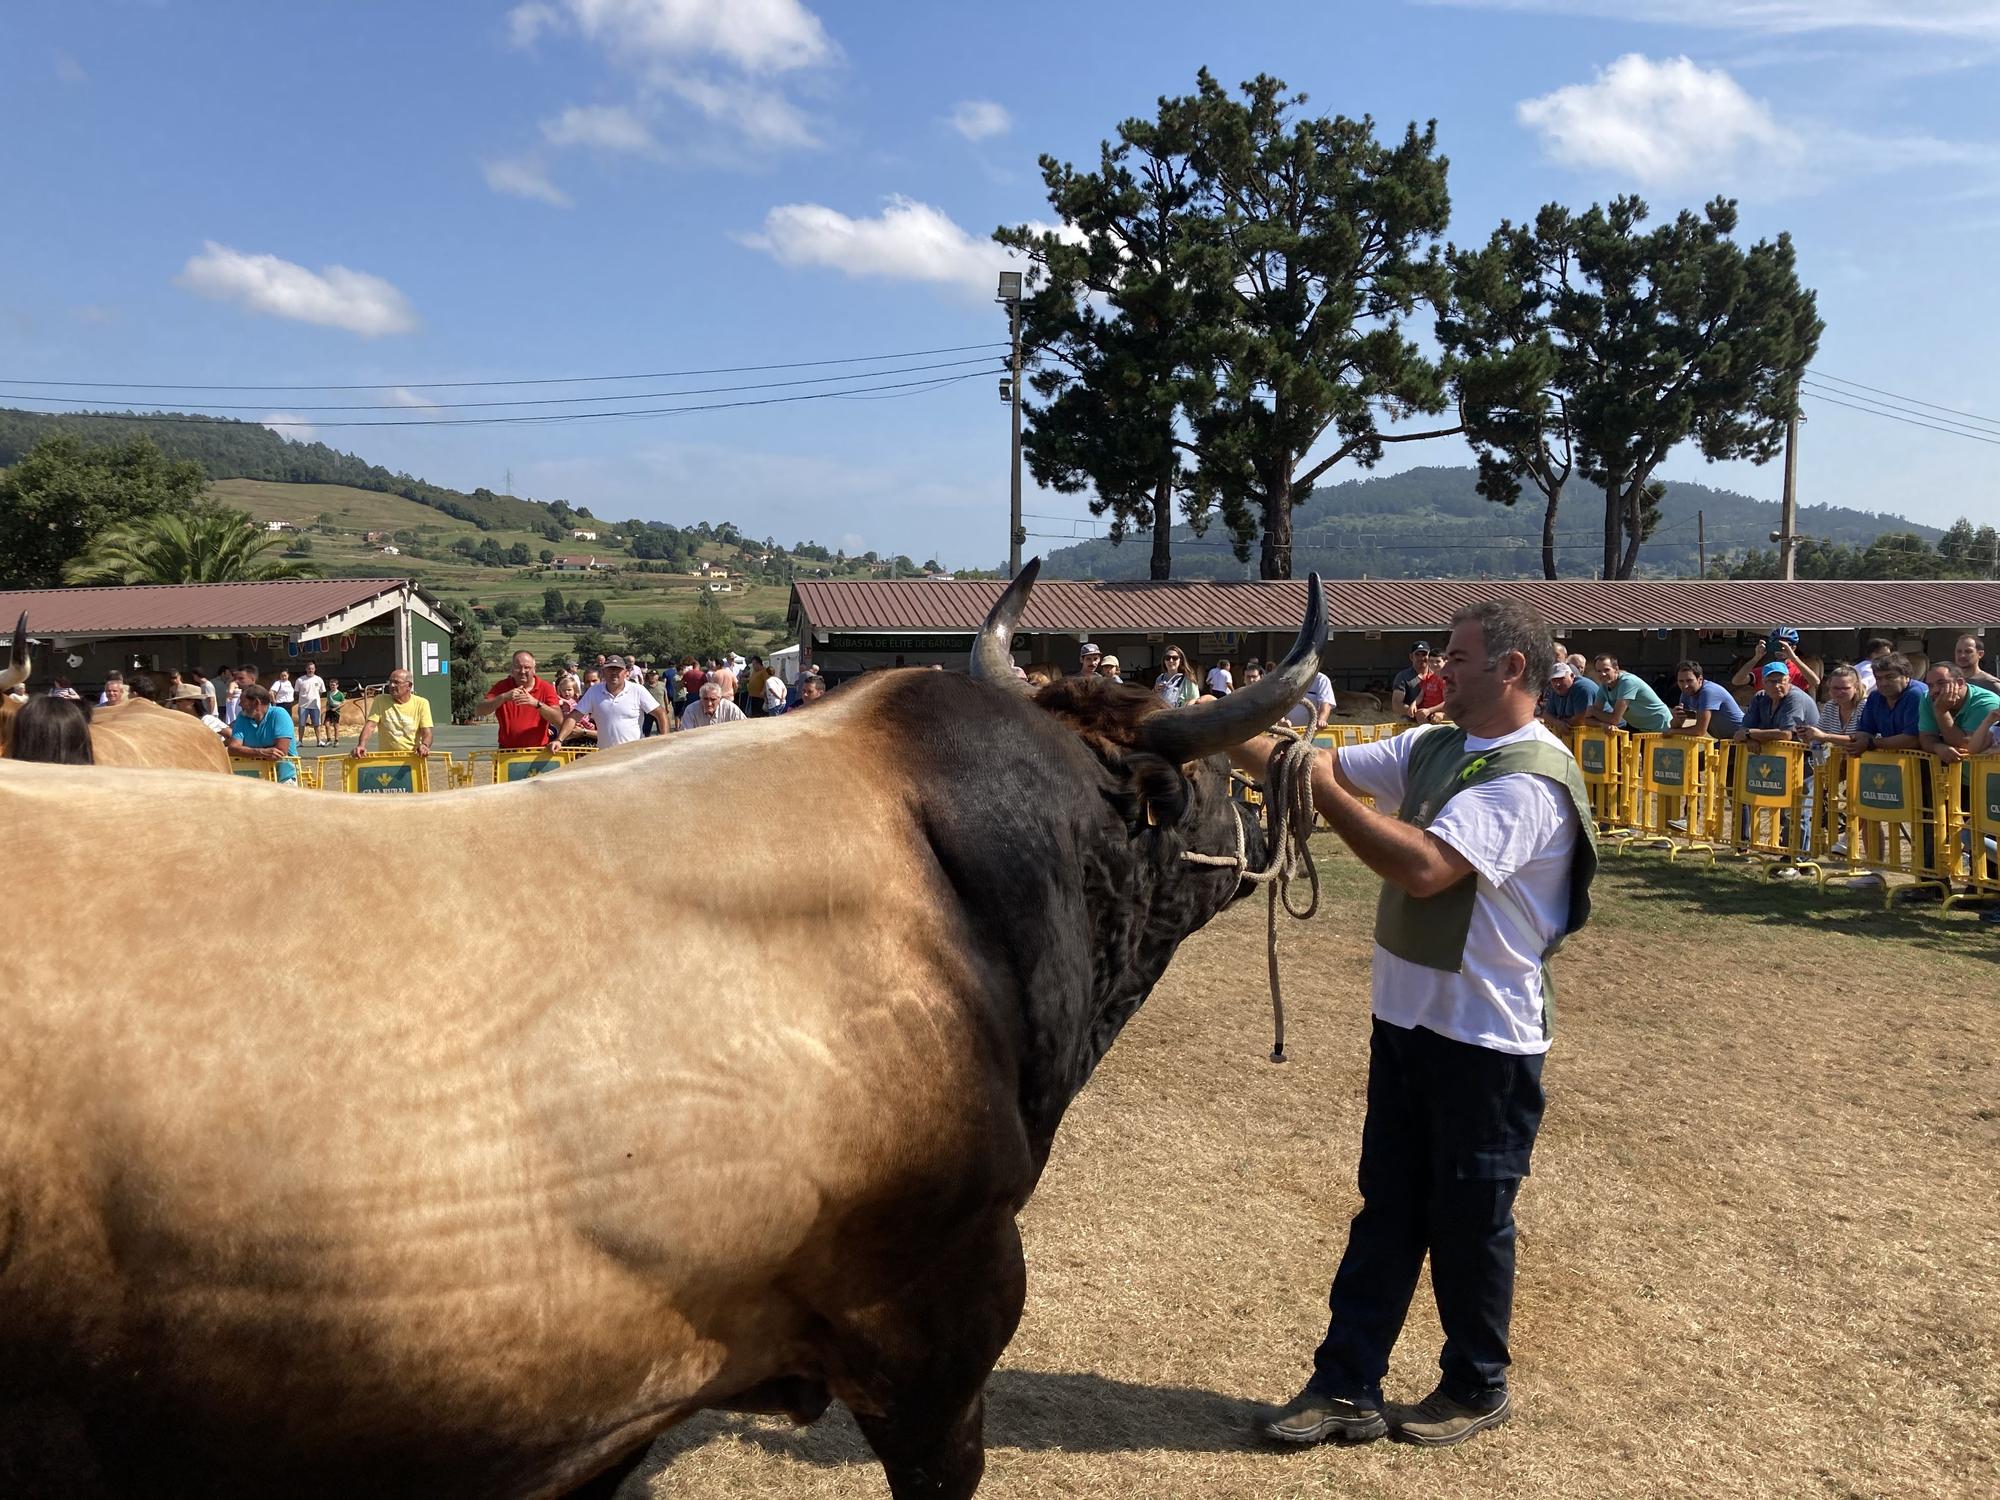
1447,1139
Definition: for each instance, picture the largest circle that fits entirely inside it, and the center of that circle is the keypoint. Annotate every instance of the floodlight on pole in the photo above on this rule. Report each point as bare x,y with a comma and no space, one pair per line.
1009,296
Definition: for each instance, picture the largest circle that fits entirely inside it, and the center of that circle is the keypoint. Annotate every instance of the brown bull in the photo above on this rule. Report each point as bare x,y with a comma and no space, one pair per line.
465,1221
133,733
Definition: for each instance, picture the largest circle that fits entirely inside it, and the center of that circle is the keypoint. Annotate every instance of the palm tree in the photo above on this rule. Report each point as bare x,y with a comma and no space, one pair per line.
201,546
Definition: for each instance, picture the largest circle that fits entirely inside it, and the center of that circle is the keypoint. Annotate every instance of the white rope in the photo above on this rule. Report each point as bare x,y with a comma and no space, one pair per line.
1288,826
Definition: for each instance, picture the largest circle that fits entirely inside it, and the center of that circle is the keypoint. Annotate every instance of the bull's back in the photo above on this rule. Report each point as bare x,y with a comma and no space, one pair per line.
443,1162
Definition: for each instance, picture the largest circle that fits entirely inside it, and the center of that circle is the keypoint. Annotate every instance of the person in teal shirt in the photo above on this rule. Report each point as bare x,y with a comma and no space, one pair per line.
1628,702
1953,713
263,731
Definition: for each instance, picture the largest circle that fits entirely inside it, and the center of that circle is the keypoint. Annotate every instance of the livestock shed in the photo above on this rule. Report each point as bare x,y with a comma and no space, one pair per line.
849,626
350,627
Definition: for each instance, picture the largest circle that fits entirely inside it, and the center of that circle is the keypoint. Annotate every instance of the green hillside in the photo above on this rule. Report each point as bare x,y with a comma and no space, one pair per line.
491,553
1432,522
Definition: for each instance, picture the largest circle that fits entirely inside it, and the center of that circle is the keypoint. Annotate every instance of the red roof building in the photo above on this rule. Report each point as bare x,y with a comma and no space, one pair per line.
850,625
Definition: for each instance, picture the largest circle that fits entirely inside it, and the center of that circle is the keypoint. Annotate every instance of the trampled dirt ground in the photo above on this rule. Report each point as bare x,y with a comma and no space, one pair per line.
1760,1254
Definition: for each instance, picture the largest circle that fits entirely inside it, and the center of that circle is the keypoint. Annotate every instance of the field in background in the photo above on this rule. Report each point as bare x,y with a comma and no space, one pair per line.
1758,1255
629,598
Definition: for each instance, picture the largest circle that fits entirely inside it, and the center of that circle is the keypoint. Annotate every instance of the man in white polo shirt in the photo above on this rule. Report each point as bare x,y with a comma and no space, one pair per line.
617,705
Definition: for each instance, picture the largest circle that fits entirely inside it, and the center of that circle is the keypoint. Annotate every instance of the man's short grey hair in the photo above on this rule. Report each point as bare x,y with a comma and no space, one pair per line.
711,690
1511,625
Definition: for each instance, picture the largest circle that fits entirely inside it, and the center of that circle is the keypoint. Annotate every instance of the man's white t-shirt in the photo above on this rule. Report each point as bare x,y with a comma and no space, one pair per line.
619,716
1321,691
1218,681
311,687
281,691
775,693
1518,833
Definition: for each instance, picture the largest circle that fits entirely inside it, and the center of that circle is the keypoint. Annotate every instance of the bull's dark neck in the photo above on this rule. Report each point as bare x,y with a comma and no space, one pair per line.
1070,915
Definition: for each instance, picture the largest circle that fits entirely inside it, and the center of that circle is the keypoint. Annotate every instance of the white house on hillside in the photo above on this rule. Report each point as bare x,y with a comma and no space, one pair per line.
583,536
576,564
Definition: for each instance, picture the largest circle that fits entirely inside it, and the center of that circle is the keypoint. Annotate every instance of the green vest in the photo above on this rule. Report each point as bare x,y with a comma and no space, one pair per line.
1430,930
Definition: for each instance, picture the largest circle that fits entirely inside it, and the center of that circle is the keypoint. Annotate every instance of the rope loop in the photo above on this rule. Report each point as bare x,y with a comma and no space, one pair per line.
1288,826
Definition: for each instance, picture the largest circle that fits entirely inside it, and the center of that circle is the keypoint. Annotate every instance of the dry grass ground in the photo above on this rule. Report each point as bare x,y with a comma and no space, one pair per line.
1760,1254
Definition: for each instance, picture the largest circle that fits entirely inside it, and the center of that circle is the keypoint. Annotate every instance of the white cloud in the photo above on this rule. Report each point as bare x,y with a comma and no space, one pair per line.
1662,124
605,126
333,296
977,119
527,22
761,116
907,241
289,424
402,395
759,36
523,179
1953,18
69,70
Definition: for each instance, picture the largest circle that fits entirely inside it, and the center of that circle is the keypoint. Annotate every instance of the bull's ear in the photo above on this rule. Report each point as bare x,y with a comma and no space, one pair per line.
1155,793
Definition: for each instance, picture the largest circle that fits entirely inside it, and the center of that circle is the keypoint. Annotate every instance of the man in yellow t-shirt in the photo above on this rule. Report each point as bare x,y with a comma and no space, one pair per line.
754,685
403,718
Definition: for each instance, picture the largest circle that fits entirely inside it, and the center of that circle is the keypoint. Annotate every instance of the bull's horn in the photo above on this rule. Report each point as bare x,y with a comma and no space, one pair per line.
1184,734
17,661
992,656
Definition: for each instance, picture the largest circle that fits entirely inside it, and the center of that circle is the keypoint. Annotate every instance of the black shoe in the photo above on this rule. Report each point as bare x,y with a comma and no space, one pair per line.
1438,1421
1310,1417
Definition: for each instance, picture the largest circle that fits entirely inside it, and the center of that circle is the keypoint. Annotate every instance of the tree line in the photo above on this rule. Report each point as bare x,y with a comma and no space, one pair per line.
1233,304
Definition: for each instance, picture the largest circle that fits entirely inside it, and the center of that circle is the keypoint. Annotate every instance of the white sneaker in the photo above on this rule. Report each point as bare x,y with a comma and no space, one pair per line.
1785,872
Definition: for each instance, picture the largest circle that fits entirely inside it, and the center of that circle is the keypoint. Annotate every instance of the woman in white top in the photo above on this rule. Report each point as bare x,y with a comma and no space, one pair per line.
1175,684
1837,714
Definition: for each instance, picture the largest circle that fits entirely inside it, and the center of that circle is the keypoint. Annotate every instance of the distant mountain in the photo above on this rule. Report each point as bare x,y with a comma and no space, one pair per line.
1433,523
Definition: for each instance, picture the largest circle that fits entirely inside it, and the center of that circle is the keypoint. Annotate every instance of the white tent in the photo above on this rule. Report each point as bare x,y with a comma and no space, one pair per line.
785,662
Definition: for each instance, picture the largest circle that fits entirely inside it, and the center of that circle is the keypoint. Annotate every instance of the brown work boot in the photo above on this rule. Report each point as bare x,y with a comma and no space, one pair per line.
1310,1417
1438,1421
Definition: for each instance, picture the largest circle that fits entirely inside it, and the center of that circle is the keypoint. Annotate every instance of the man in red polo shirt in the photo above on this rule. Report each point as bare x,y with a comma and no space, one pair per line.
526,706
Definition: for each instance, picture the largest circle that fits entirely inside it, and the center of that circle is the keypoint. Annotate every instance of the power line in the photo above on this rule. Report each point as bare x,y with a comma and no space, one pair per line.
459,385
547,417
1889,409
1911,400
768,385
1907,421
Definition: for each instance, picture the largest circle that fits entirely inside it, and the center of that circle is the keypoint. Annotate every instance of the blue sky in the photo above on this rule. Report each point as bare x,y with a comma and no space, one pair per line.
260,194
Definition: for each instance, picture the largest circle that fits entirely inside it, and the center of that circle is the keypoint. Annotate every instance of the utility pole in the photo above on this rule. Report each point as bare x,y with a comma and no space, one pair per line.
1701,541
1010,392
1788,515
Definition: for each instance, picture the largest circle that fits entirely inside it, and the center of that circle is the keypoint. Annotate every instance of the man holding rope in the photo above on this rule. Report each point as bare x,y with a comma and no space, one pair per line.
1485,870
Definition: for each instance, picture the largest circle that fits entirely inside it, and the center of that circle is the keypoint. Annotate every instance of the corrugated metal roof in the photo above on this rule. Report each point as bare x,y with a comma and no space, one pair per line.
1398,604
289,604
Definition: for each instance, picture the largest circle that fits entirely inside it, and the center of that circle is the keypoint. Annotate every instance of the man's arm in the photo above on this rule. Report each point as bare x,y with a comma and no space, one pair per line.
660,718
1948,731
1942,748
361,740
424,740
1409,858
1612,714
563,728
1810,678
492,701
1746,673
1697,723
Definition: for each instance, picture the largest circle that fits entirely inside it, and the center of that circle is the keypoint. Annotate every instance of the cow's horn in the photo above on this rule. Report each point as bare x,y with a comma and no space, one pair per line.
992,654
1185,734
17,660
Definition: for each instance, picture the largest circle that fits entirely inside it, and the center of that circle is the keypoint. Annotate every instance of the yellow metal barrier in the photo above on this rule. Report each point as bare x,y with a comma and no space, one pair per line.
1677,791
1604,757
257,770
1769,783
1902,818
386,773
1981,839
